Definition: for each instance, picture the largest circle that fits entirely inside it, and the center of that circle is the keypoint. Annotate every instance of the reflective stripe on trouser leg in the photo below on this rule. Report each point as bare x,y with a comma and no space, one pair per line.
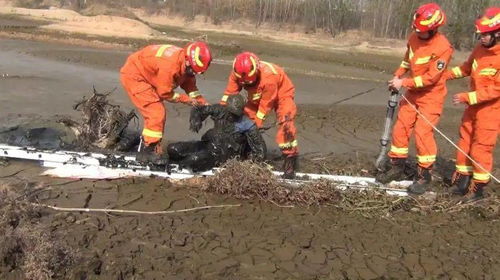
481,177
286,136
149,106
424,134
483,145
464,169
402,130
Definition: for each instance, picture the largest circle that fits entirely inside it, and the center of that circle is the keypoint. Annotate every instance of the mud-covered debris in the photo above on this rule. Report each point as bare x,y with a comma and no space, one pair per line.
103,123
27,245
248,180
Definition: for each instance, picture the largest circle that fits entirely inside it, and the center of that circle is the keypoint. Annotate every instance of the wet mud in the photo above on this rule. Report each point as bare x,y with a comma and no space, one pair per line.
257,240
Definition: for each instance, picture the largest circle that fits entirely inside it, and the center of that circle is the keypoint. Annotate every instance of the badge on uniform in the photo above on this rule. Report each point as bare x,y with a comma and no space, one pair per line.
440,65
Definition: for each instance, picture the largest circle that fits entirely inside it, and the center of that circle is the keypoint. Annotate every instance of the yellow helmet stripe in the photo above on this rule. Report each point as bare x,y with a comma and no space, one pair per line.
254,67
432,19
197,57
493,21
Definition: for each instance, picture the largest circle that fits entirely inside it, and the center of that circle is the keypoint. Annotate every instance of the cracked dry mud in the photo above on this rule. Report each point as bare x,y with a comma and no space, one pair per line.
257,240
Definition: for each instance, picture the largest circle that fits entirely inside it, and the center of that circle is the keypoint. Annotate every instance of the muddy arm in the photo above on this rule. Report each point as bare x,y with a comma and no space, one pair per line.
200,113
257,144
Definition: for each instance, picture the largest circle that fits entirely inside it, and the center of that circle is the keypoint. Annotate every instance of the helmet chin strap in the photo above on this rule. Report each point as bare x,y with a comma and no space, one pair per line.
431,34
190,71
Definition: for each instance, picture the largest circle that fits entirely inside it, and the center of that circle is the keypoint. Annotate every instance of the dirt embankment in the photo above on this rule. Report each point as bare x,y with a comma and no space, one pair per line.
72,22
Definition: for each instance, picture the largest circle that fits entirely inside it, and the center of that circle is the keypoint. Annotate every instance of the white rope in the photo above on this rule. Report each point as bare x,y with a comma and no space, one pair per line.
449,140
64,209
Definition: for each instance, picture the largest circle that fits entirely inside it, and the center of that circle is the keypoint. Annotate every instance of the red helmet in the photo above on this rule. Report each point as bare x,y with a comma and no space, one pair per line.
246,67
428,17
490,21
199,56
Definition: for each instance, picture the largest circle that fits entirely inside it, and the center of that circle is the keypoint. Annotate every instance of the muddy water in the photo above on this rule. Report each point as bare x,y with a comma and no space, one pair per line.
256,240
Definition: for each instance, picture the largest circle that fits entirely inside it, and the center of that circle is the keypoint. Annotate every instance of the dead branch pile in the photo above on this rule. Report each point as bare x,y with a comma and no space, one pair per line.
247,180
27,245
103,123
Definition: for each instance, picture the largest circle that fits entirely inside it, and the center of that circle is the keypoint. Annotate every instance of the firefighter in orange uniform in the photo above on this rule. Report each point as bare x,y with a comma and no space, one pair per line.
150,77
427,57
268,88
481,119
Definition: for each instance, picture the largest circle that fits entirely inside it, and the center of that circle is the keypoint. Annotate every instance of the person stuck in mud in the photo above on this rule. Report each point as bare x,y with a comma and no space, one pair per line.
427,57
481,118
233,135
150,77
268,87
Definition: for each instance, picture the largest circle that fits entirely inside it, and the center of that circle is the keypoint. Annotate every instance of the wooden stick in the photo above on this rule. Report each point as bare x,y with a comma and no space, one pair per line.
133,211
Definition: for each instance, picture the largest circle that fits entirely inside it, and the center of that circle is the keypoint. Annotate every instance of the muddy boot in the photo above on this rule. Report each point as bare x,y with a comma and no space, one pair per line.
460,184
396,173
152,154
289,167
421,182
475,192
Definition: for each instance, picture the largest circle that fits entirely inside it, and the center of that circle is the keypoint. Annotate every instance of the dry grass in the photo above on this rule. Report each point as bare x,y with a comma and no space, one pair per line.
247,180
103,123
27,244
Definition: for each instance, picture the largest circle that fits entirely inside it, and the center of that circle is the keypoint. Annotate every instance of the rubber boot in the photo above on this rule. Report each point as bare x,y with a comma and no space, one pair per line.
475,192
421,182
396,173
460,184
289,167
152,154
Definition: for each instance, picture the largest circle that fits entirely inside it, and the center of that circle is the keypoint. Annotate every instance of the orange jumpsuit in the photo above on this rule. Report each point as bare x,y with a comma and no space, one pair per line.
481,119
426,61
274,90
150,76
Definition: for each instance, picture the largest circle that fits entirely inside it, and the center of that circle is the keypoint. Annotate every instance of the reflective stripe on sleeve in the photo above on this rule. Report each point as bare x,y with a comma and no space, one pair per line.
405,65
224,98
474,65
194,94
418,81
256,96
270,66
457,72
472,97
161,50
423,60
261,115
488,72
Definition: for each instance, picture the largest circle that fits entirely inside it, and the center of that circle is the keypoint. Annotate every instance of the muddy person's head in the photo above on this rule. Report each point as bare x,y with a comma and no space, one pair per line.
235,104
